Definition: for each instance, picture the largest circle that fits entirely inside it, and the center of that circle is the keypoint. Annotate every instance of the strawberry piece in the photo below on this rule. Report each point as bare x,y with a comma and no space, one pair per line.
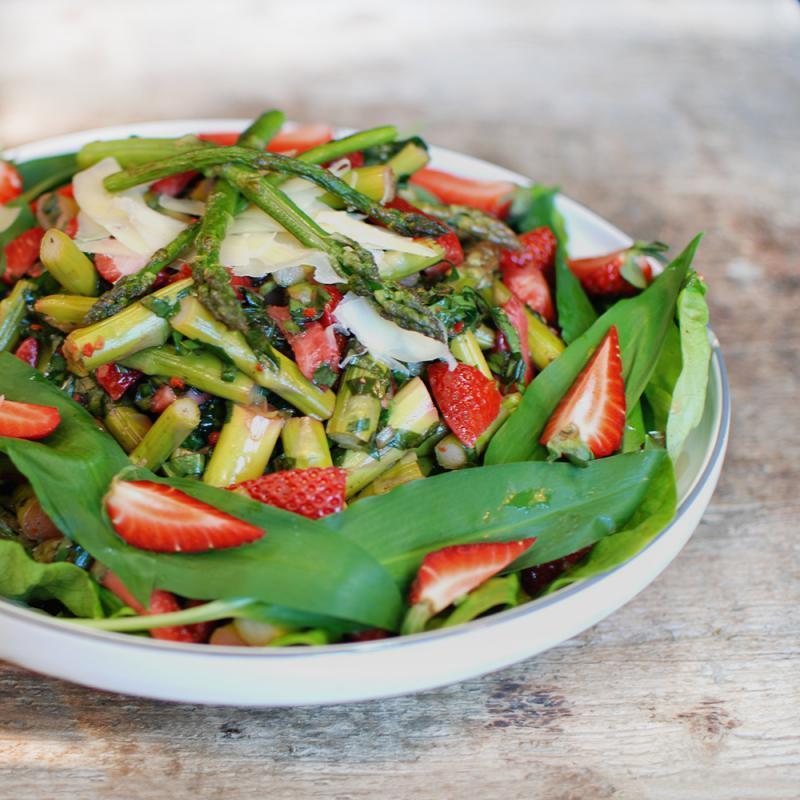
161,602
537,249
315,347
10,182
26,420
28,351
116,380
22,253
160,518
314,492
163,397
71,228
468,400
368,635
449,573
67,190
605,275
335,298
300,139
112,268
490,196
530,286
590,419
516,315
173,185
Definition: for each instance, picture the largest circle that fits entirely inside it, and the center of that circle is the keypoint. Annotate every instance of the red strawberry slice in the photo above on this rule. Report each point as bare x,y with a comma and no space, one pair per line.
28,351
516,315
22,253
606,275
116,380
153,516
173,185
490,196
112,268
314,492
10,182
26,420
449,573
296,140
590,420
335,298
468,400
315,347
537,249
161,602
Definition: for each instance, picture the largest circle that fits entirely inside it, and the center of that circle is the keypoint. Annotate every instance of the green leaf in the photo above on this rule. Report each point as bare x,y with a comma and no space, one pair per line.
642,323
653,515
298,564
634,435
566,507
22,578
689,396
662,382
576,313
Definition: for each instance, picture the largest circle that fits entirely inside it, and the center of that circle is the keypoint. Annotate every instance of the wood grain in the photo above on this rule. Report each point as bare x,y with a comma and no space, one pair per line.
665,118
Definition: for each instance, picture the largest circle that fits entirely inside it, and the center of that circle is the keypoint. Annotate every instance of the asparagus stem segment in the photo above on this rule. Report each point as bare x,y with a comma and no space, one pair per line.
245,445
485,337
305,444
262,130
466,348
202,370
64,311
407,161
369,468
376,182
545,345
12,311
132,329
137,150
127,426
168,433
284,378
396,265
470,223
404,471
411,417
67,264
406,224
131,287
358,403
349,144
452,454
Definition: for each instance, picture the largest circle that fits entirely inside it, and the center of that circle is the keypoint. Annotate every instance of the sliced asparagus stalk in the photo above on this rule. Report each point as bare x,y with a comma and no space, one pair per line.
376,182
305,444
466,348
136,150
363,469
404,471
12,311
485,337
358,403
412,157
64,311
245,445
411,416
132,329
67,264
285,379
128,426
202,370
168,433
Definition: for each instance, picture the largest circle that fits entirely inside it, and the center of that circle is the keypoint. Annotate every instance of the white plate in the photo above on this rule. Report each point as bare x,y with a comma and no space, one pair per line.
340,673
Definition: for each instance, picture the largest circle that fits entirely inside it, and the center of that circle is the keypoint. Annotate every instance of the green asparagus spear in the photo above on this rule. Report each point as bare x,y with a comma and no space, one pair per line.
128,426
305,444
284,377
337,148
466,348
131,287
12,311
136,150
67,264
406,224
64,311
202,370
470,223
245,445
132,329
358,403
168,433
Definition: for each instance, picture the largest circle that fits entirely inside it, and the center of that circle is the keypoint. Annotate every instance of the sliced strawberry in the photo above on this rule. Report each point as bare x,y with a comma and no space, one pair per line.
26,420
490,196
468,400
300,139
355,158
590,419
335,298
116,380
452,572
516,315
314,492
607,275
71,228
28,351
153,516
173,185
315,347
22,253
537,249
530,286
10,182
67,190
161,602
163,397
112,268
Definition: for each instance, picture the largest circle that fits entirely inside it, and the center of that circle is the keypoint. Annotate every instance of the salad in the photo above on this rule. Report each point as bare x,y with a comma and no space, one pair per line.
281,388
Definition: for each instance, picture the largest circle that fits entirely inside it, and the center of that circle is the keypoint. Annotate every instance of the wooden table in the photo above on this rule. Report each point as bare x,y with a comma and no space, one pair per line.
666,118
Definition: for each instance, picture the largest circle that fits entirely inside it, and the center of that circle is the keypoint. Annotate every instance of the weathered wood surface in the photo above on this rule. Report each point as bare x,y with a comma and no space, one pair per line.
666,118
